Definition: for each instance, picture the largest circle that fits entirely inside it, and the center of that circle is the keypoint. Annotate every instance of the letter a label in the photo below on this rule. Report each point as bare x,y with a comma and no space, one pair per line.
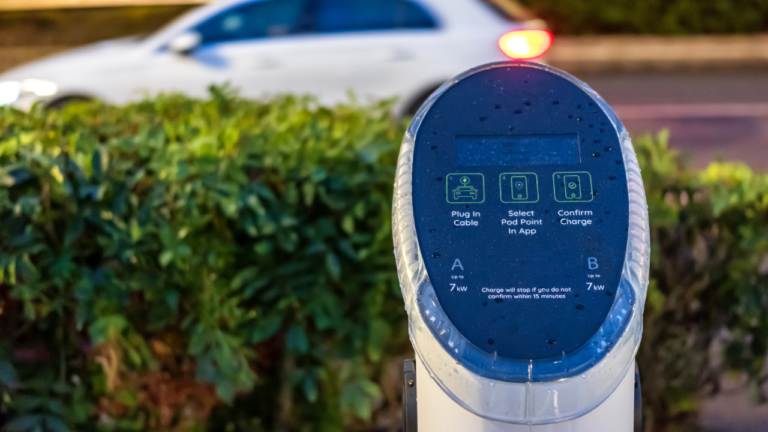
457,263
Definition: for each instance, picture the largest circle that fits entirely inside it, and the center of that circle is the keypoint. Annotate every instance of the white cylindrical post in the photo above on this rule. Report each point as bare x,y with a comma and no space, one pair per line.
440,413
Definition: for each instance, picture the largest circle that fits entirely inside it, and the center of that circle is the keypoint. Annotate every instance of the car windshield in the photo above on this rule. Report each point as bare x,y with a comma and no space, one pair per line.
257,20
270,18
357,15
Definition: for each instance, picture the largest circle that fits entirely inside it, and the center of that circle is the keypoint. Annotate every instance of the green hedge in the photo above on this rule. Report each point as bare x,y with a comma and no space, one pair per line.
672,17
175,257
226,265
707,306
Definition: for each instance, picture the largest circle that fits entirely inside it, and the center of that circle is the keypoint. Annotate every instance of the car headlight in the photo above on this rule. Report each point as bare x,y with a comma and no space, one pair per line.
11,91
40,87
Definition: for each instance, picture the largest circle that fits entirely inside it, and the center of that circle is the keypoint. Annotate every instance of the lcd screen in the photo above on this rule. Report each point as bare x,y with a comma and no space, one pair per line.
518,150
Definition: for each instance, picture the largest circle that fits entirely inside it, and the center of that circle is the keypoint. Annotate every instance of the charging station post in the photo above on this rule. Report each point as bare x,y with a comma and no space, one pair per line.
521,234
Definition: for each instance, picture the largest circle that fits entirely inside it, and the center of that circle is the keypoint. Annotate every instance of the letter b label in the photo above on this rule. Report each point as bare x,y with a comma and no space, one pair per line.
592,263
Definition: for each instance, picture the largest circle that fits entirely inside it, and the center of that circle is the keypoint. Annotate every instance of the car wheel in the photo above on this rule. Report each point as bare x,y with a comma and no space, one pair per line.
62,103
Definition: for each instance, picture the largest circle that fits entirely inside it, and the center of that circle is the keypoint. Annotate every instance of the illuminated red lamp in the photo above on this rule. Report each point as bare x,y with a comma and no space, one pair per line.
526,44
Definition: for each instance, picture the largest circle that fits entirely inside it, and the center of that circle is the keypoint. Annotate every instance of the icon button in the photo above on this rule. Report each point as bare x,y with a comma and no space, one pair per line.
519,188
465,188
573,186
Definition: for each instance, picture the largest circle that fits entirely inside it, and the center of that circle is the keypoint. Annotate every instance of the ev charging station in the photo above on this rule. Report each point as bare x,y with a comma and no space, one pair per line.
521,235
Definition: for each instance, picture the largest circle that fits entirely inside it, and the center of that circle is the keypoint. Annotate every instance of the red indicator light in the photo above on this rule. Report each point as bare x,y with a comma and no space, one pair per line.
526,44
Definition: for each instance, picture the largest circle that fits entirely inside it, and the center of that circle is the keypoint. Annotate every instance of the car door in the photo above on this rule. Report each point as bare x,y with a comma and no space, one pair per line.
370,47
374,47
318,47
245,46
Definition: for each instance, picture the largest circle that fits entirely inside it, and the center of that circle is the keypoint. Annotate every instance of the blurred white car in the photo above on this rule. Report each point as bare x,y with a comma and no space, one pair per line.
376,48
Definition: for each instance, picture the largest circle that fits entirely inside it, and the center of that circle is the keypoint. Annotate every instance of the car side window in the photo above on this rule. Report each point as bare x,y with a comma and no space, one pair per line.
359,15
260,19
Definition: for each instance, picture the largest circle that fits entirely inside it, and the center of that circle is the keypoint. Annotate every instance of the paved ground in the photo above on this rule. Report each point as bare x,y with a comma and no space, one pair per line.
710,115
732,411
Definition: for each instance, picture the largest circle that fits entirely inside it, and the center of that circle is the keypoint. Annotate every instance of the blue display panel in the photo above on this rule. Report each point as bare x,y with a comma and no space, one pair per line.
518,150
521,211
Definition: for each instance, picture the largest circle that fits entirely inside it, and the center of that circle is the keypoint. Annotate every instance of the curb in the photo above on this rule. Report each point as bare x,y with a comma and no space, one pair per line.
611,53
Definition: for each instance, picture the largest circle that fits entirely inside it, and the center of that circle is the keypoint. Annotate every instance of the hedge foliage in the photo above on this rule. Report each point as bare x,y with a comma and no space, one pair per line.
226,265
169,258
707,306
79,26
670,17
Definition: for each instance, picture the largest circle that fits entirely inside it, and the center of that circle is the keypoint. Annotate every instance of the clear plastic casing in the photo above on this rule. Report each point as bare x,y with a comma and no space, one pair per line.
597,368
